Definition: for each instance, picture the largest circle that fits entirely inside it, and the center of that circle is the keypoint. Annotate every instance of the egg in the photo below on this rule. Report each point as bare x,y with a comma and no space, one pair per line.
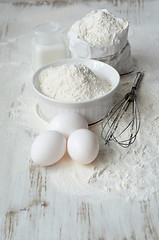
83,146
68,122
48,148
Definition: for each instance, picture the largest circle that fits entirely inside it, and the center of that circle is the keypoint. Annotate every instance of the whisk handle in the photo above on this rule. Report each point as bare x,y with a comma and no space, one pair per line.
137,80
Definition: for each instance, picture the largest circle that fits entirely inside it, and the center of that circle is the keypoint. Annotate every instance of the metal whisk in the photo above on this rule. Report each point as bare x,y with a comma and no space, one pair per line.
125,133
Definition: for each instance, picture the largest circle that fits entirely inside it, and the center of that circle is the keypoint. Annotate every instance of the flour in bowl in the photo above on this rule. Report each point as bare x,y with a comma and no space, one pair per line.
72,82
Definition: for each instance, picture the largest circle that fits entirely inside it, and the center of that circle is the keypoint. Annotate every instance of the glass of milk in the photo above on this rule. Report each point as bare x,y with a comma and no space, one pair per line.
47,44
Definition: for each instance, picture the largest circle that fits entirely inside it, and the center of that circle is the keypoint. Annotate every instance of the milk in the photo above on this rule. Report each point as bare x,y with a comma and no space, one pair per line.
47,45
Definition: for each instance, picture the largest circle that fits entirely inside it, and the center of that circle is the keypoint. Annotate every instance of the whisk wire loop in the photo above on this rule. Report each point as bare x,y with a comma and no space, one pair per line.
112,130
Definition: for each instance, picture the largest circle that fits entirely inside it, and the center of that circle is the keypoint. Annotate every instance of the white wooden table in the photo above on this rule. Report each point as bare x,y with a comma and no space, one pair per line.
34,205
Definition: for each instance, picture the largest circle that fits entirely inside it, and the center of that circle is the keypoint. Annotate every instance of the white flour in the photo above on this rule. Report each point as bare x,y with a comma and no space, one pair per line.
74,82
125,173
99,28
102,36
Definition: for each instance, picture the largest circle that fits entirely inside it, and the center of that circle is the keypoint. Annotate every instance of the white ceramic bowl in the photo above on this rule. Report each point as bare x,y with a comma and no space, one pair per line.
93,110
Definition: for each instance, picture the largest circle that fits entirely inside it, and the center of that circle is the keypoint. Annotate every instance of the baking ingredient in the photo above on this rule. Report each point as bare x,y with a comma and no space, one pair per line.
47,45
118,174
102,36
68,122
72,82
44,54
99,28
83,146
48,148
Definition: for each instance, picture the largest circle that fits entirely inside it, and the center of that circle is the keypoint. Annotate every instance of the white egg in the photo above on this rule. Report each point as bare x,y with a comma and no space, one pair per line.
48,148
83,146
68,122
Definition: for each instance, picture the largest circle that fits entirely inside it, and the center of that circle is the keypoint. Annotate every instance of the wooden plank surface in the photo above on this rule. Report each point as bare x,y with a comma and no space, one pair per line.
42,203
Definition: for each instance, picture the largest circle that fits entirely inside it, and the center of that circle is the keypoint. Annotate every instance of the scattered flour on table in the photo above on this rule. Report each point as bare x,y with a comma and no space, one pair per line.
124,173
99,28
73,82
25,108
